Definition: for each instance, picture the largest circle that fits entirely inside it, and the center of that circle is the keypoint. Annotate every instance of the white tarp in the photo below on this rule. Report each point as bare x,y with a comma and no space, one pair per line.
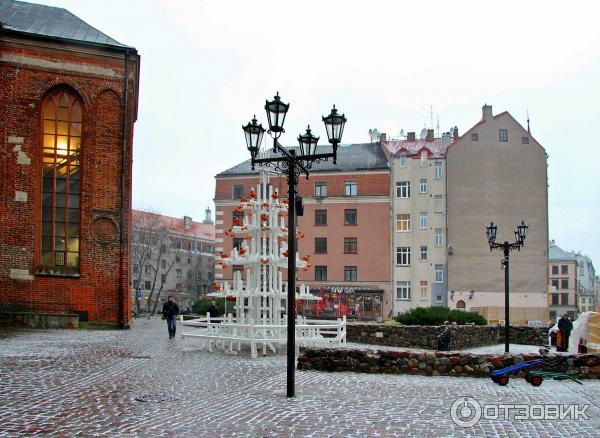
586,327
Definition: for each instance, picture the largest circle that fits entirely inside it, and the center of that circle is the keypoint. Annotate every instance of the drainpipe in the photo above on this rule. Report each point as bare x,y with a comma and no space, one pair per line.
122,317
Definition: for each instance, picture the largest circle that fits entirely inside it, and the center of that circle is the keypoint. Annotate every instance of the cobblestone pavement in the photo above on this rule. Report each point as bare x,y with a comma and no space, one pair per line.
85,383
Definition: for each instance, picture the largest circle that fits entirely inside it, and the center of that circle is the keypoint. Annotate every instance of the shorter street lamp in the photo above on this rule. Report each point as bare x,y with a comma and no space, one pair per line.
506,247
292,164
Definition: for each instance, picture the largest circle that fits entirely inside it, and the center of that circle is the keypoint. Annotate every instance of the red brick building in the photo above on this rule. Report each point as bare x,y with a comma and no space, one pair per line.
346,227
68,100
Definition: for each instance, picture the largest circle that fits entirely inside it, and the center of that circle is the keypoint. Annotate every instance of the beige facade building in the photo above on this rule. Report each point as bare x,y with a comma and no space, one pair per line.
418,198
562,285
497,172
171,256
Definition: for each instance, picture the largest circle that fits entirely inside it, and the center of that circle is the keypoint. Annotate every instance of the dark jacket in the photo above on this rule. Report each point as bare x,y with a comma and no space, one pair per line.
565,325
214,311
170,309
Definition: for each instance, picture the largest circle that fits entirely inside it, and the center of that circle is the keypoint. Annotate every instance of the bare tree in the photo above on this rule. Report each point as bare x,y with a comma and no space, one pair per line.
169,249
145,224
152,244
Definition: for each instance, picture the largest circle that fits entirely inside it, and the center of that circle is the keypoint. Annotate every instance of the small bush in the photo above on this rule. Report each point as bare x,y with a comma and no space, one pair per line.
438,315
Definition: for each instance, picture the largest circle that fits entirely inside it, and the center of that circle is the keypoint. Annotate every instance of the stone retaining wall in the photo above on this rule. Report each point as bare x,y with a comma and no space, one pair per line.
38,320
437,363
425,336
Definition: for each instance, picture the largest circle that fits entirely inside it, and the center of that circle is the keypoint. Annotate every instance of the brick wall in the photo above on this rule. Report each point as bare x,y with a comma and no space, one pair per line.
28,71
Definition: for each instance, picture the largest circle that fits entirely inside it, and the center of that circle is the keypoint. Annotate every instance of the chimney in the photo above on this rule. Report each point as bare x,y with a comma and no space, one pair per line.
429,136
187,223
486,111
446,138
382,137
455,132
410,136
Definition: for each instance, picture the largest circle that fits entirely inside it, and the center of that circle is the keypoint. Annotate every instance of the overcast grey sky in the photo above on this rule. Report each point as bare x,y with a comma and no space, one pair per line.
208,66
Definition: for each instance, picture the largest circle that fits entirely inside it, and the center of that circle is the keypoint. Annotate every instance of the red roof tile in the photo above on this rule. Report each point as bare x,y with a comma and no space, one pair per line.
436,147
175,225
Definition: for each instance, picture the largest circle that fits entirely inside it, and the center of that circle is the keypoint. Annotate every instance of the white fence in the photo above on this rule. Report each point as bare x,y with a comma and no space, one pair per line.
229,335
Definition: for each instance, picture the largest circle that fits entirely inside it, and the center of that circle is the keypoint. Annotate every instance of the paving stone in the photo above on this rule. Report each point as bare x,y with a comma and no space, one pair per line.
67,383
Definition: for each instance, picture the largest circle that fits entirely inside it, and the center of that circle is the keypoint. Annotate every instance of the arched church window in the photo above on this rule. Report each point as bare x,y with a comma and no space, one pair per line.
61,171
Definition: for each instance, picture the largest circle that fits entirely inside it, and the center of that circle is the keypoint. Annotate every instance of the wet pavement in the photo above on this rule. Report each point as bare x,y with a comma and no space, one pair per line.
140,383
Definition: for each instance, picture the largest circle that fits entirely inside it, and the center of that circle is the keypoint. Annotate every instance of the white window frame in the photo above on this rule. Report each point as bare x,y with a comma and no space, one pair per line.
423,220
403,290
405,221
439,170
403,189
439,273
423,185
423,289
402,159
403,252
503,138
439,237
423,158
438,203
439,299
421,252
322,185
351,187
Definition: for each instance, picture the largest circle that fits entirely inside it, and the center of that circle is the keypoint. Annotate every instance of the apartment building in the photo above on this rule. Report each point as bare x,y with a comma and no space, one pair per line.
171,256
562,285
587,299
345,227
497,172
418,200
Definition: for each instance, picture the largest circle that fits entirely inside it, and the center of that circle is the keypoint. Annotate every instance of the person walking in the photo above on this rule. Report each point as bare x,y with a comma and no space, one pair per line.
213,310
170,312
565,326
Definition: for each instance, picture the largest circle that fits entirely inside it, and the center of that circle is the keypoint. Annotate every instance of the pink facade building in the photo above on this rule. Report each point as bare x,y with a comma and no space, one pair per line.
345,230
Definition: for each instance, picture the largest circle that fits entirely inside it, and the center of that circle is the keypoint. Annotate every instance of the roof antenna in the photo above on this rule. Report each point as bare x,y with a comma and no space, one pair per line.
431,116
528,130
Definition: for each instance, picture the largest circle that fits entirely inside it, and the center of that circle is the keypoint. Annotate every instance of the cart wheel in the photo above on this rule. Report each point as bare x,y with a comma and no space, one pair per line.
494,379
503,380
536,380
527,378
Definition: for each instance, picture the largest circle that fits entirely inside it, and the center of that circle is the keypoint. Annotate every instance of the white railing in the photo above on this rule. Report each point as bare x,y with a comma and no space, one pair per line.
229,335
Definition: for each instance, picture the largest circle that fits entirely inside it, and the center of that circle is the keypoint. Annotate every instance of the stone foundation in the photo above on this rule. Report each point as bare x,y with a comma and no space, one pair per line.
437,363
424,336
38,320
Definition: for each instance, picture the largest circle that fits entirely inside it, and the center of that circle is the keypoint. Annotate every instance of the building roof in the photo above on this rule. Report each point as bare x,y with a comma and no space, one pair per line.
174,225
48,21
437,147
556,253
353,157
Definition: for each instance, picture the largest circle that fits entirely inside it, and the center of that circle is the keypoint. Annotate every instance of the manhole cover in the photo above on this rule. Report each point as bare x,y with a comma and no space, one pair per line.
156,398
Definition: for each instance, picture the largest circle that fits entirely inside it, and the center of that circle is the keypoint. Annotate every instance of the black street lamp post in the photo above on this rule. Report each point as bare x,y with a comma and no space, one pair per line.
292,164
506,247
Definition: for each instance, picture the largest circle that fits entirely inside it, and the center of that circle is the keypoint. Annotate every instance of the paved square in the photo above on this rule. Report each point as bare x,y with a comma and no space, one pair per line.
63,383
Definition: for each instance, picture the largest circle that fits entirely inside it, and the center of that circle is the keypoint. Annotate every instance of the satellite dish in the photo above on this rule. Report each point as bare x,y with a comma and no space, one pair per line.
423,133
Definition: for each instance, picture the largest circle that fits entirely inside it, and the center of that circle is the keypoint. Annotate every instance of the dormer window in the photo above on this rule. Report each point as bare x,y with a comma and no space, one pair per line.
402,159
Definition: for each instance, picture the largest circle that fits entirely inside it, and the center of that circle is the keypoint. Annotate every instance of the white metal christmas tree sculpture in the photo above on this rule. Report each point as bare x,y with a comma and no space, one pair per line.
260,298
